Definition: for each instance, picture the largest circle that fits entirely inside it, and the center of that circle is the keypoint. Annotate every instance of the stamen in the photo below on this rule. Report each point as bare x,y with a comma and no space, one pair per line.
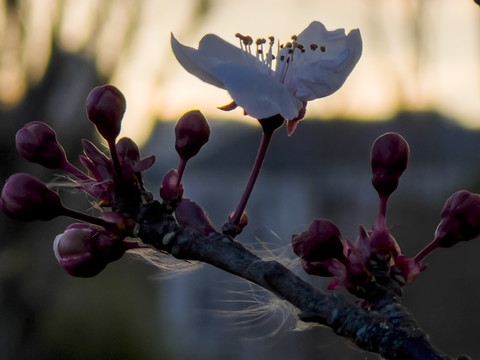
314,47
270,56
285,53
245,42
242,40
260,43
323,48
248,41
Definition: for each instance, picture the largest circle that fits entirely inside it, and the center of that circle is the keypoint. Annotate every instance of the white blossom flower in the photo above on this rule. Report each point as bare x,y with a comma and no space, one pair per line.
313,65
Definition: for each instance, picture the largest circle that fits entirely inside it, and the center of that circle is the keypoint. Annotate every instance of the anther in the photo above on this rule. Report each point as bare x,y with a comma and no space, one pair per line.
323,48
248,40
314,47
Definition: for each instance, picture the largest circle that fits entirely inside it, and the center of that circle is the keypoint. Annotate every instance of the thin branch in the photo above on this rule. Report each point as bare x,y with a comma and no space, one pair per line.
387,329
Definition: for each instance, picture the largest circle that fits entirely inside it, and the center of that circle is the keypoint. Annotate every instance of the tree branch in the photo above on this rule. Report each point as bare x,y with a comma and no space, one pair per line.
385,328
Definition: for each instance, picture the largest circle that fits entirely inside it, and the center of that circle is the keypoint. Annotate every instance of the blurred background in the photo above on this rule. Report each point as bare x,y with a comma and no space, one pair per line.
418,75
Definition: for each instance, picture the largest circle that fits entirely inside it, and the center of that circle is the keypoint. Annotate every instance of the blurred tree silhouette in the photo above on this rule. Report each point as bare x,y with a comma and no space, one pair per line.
45,75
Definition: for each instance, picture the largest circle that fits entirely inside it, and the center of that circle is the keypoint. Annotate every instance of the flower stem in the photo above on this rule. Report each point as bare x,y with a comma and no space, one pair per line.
262,151
383,205
427,250
181,169
88,218
115,160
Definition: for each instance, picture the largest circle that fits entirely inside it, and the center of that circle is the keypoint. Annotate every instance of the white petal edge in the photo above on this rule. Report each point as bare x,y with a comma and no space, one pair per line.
194,62
317,79
212,50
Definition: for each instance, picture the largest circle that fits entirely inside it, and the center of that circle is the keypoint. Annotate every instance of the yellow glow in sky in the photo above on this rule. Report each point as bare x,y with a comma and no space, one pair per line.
417,55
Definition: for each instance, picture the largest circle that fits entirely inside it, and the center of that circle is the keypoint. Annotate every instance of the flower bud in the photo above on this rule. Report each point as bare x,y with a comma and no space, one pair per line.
37,143
460,219
84,250
191,133
389,158
27,198
105,107
189,213
171,189
319,243
128,152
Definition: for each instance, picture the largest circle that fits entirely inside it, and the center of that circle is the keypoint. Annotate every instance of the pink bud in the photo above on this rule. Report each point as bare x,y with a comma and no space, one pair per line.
26,198
189,213
37,143
319,243
105,107
460,219
171,189
84,250
191,133
389,158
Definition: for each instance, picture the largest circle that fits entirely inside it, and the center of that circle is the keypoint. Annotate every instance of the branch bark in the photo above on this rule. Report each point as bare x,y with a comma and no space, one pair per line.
385,328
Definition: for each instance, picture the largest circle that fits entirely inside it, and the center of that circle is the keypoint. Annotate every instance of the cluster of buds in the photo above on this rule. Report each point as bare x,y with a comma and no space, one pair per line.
113,183
375,257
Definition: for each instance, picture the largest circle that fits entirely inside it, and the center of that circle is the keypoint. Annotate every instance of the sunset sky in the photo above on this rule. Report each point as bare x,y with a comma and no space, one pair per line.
418,55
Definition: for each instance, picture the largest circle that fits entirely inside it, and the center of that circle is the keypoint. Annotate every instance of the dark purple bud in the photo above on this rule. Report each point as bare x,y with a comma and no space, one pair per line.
191,133
320,242
106,106
460,219
189,213
84,250
26,198
129,156
171,189
389,158
37,142
128,152
460,222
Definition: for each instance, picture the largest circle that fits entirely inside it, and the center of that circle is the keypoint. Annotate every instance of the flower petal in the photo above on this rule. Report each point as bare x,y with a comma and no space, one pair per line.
258,93
194,62
322,71
212,50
